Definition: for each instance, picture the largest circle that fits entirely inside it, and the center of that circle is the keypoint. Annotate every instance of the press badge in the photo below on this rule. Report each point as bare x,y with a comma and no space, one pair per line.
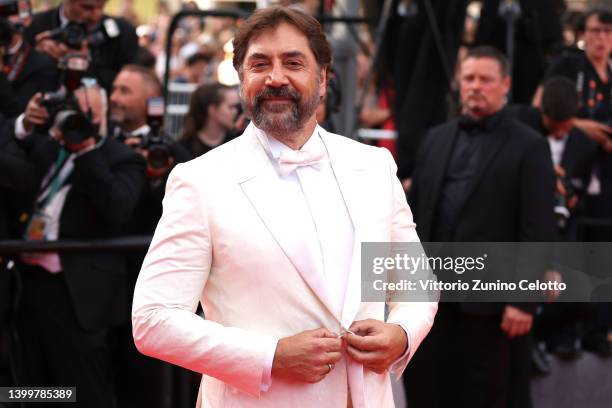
36,227
111,28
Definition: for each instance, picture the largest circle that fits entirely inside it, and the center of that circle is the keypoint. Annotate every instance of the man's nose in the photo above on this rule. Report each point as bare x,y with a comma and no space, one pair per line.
277,77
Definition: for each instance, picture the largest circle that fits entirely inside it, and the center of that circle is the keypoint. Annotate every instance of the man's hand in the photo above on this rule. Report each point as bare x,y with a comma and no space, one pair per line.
376,344
54,49
306,357
599,132
515,322
35,114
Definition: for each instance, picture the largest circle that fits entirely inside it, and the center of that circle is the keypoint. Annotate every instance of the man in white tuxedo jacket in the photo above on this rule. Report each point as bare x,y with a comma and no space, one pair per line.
266,231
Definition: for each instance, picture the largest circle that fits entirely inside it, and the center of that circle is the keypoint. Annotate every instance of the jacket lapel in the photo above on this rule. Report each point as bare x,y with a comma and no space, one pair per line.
259,182
347,171
444,147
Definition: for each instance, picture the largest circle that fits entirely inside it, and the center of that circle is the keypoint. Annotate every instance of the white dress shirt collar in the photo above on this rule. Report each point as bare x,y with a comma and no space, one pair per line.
274,147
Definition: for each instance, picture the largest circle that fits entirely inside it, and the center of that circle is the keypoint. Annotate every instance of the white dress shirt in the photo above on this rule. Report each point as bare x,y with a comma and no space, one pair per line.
314,197
557,146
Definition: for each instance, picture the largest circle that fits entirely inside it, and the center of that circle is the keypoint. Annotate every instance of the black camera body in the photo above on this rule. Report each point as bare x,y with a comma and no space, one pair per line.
63,107
159,146
66,114
9,8
158,143
74,34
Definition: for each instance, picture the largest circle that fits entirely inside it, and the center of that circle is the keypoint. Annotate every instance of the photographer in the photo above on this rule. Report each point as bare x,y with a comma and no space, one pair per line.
132,89
28,71
88,187
573,153
138,124
111,42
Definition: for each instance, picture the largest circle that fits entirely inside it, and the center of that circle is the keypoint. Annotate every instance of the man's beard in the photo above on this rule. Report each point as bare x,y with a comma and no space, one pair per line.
288,120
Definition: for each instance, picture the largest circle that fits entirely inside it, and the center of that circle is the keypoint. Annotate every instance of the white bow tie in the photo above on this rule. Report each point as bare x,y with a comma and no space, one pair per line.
290,160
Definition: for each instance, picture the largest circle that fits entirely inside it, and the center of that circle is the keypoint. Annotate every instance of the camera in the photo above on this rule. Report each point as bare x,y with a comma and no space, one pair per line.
62,105
72,35
158,143
11,8
573,186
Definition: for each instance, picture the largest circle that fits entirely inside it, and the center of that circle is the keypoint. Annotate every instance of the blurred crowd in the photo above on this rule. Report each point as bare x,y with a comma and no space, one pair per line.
85,153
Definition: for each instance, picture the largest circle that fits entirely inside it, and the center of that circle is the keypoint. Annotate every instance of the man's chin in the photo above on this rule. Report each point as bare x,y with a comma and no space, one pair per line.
116,117
277,108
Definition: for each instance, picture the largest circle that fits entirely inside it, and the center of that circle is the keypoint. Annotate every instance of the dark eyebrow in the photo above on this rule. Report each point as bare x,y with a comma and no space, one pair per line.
294,54
289,54
257,55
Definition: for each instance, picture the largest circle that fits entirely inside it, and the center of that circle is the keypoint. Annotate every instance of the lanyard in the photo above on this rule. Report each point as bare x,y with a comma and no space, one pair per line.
55,182
18,62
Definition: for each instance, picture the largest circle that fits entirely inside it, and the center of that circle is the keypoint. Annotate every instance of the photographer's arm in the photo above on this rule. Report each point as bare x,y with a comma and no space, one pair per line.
114,185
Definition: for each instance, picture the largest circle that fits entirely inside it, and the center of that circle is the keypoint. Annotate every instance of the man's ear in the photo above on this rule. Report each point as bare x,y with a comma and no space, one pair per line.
323,74
507,83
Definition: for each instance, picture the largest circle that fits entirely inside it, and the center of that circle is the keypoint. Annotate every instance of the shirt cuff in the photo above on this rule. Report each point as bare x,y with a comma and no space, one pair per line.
20,131
266,378
400,360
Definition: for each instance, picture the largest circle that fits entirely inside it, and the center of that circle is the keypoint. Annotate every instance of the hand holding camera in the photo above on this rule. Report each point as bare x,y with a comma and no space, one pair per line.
71,38
35,114
156,146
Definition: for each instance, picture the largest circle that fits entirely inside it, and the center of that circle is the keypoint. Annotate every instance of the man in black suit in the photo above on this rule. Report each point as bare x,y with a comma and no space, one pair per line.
484,177
573,153
87,189
113,41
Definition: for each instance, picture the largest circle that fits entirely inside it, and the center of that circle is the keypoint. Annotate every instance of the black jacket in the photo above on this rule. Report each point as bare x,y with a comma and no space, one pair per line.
107,183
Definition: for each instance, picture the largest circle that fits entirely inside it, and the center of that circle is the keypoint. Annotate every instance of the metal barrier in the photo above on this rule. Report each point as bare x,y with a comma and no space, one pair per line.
178,95
123,244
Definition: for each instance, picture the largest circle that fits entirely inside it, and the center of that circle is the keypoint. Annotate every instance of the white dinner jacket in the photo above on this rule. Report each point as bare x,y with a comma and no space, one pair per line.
224,239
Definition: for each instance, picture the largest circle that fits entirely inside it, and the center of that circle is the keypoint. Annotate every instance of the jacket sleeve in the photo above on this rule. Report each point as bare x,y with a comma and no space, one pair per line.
416,317
172,278
114,187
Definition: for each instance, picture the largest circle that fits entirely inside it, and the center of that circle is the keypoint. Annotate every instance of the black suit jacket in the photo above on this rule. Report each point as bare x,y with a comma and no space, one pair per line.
510,199
107,58
106,185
